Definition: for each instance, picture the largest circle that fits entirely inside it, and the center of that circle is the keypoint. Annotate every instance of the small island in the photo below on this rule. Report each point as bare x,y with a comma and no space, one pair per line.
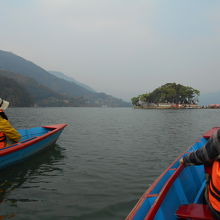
168,96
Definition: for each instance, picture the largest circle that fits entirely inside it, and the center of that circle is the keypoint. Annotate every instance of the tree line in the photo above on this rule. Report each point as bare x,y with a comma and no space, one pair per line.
169,93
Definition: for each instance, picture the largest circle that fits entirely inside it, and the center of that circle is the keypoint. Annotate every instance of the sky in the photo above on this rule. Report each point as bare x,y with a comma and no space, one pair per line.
121,47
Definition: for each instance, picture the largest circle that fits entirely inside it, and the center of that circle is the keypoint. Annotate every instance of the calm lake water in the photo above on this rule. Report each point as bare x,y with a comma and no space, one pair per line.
102,163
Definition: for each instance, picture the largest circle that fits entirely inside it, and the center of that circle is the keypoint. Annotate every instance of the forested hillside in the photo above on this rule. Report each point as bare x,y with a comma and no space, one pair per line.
14,93
24,91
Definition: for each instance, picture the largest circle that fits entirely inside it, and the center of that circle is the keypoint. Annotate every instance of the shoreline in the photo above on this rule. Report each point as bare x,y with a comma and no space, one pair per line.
175,108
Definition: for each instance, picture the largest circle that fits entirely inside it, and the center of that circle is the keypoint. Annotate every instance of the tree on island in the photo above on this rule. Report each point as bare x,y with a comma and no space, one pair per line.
169,93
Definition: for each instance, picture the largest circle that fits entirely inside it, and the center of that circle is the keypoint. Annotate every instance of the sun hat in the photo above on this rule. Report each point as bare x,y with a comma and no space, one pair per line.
3,104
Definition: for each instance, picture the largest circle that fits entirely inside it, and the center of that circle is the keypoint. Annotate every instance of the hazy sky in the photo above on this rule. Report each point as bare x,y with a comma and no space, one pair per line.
121,47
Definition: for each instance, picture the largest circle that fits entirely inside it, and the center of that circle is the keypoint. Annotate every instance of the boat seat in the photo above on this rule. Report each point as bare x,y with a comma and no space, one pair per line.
195,212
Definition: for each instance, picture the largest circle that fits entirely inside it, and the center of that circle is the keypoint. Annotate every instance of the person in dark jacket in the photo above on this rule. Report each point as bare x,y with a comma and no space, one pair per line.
209,155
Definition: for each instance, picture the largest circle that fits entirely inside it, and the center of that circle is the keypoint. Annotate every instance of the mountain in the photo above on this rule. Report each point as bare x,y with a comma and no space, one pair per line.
25,91
14,93
209,98
70,79
16,64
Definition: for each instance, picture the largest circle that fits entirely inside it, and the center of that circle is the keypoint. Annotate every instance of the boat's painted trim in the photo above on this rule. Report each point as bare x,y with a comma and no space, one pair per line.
162,194
209,133
20,145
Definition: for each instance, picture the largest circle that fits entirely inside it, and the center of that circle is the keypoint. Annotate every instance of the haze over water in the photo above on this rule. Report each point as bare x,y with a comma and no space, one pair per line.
102,163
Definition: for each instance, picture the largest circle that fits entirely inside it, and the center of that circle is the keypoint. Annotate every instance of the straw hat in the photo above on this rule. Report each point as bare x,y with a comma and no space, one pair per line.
3,104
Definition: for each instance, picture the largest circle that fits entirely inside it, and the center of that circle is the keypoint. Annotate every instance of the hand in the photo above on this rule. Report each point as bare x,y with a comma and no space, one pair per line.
181,161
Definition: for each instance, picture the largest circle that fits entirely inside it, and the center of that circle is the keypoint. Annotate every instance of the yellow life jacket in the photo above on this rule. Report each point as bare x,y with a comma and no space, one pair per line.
7,129
2,138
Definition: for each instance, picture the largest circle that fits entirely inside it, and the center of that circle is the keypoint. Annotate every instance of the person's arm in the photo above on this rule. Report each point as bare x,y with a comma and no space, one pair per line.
206,154
9,130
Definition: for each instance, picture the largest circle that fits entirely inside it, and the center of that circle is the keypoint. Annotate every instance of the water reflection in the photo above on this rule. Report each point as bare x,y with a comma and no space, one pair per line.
27,172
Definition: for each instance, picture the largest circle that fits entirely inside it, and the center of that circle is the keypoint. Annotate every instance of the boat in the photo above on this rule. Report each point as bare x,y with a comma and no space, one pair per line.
178,193
33,140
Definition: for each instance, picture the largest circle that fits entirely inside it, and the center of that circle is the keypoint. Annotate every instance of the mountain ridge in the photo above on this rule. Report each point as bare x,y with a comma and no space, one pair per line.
38,94
16,64
71,79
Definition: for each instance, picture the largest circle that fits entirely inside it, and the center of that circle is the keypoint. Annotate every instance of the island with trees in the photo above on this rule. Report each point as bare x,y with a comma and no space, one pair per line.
170,95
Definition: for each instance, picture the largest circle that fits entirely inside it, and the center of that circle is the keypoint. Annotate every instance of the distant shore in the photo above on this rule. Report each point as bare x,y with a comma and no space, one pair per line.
178,107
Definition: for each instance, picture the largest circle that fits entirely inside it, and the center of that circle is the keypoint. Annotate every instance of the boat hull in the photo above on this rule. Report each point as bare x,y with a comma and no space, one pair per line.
33,141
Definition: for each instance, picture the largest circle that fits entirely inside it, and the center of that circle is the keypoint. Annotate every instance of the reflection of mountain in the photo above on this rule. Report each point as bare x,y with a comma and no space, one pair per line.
43,163
62,92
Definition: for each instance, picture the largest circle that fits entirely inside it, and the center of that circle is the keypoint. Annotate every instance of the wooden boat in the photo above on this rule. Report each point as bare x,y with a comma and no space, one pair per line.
33,140
178,193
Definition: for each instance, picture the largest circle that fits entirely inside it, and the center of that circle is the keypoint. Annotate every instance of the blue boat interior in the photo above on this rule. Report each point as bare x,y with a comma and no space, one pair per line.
32,133
187,188
29,134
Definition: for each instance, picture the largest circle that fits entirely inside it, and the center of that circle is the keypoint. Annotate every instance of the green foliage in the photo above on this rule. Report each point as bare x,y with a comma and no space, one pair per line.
169,93
135,101
144,97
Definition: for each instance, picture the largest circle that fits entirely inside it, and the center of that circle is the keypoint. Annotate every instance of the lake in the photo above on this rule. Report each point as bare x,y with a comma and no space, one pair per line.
102,163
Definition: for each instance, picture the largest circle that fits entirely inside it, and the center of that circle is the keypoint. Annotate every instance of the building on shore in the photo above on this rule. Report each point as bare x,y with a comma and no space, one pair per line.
167,106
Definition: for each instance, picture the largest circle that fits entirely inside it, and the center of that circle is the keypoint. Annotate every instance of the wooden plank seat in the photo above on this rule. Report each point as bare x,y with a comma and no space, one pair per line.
195,212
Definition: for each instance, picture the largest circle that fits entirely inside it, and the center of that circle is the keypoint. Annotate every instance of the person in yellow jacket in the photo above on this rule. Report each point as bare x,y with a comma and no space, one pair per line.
8,134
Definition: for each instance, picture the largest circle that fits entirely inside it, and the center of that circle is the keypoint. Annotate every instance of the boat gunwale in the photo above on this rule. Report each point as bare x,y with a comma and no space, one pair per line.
18,146
154,208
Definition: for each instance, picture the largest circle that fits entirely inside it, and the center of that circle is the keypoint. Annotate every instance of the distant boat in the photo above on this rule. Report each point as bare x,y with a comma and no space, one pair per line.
214,106
178,193
33,140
